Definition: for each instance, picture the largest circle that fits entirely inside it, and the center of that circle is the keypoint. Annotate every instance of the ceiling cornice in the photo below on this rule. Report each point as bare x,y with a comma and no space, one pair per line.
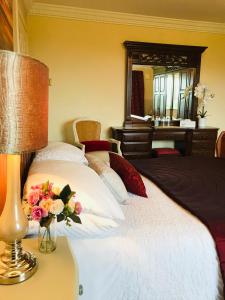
84,14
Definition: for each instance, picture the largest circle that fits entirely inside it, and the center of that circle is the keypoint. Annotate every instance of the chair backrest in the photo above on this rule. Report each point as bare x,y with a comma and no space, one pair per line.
86,130
220,145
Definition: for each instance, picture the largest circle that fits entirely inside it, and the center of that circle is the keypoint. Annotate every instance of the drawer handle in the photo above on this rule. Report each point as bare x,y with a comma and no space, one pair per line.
81,290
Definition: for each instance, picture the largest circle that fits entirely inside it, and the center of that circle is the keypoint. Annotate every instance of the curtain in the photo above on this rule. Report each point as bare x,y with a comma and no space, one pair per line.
137,98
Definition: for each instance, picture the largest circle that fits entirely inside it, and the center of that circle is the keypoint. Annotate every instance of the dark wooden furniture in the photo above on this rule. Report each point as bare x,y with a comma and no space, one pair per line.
169,55
136,142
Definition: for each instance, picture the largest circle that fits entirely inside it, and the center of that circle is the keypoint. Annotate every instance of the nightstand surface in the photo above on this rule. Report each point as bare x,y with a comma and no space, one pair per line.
56,277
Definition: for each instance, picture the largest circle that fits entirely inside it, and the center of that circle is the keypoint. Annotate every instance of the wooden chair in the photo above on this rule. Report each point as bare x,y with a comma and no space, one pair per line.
90,130
220,145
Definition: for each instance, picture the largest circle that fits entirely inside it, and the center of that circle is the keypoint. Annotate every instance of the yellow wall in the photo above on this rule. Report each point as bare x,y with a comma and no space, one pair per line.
87,67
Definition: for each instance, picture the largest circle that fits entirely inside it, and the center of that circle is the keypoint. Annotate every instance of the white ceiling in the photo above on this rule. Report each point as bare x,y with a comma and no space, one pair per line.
201,10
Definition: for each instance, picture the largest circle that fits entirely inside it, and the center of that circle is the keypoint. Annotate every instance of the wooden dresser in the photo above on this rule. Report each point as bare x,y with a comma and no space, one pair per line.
136,142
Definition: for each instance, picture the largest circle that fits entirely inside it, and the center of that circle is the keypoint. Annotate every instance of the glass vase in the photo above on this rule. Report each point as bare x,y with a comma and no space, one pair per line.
47,237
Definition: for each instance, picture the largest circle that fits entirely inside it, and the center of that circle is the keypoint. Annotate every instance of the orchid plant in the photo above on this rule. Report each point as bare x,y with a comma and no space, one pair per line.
204,95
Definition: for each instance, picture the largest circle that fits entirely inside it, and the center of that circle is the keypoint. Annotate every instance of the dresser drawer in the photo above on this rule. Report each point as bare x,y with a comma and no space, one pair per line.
168,135
203,144
135,155
136,147
136,137
202,152
205,135
203,148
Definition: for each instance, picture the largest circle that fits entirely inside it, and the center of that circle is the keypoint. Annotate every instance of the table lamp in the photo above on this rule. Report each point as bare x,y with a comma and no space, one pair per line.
23,128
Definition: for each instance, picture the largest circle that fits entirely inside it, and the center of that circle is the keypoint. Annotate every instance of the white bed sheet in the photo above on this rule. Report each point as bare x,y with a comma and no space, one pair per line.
160,252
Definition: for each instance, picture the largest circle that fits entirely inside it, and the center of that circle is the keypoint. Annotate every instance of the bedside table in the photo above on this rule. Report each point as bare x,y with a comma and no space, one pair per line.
56,277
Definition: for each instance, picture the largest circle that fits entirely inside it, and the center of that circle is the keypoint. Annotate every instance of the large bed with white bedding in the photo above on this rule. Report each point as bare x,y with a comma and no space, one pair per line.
158,251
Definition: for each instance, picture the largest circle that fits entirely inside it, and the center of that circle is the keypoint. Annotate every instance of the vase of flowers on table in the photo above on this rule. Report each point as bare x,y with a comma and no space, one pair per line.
204,95
48,205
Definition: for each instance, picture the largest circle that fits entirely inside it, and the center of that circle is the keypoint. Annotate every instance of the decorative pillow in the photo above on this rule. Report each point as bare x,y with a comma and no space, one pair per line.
156,152
61,151
130,176
111,179
96,146
91,192
100,155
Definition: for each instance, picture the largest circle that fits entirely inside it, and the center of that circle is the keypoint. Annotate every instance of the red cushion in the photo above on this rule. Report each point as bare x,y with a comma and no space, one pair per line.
130,176
97,146
165,151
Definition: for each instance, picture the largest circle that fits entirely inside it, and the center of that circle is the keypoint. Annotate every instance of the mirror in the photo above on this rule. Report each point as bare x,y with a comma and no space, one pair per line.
160,81
160,91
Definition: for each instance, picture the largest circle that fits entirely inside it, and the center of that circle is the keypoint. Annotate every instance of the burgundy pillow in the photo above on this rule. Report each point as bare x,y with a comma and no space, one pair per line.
130,176
164,151
97,146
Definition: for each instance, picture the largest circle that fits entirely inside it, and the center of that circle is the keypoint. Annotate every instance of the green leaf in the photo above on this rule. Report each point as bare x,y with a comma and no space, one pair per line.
45,222
75,218
65,193
45,186
60,217
71,195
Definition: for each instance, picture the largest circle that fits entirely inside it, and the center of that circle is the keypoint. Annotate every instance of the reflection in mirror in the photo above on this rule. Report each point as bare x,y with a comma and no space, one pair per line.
162,91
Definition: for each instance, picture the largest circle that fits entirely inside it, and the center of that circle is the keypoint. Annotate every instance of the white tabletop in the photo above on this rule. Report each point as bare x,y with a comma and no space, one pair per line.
56,277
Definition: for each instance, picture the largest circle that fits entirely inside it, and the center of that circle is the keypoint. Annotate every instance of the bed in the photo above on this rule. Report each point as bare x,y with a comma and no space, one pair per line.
159,251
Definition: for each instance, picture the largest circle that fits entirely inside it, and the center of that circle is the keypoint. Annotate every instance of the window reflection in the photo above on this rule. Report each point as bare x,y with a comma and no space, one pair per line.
159,91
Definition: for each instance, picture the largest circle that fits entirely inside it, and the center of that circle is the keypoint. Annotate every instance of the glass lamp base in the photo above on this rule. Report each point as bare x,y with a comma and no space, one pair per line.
16,265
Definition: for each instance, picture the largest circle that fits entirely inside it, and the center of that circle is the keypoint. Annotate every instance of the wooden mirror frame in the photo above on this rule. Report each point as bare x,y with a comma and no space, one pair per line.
159,55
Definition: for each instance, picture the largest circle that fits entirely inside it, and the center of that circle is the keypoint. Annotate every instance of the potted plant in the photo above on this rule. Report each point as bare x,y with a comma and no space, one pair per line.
204,95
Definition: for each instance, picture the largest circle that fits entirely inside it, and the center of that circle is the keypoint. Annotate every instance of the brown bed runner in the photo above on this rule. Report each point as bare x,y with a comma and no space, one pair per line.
198,185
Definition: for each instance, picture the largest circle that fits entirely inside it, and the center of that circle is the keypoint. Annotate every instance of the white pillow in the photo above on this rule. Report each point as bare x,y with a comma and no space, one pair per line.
111,179
61,151
91,192
100,155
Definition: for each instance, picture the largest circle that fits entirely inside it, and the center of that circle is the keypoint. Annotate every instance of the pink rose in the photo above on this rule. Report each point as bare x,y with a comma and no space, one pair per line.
77,208
33,197
36,187
38,212
46,191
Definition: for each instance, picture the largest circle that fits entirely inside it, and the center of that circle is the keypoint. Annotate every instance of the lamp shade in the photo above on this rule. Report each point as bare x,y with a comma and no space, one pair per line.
23,103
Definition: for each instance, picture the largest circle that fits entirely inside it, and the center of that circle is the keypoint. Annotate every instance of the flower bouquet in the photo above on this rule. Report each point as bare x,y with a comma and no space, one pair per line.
47,204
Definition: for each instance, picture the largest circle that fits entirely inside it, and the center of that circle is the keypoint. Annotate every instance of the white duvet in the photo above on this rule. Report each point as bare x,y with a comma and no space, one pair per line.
161,252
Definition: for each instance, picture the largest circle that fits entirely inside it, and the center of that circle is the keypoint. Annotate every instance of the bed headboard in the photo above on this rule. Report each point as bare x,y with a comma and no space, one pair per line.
26,160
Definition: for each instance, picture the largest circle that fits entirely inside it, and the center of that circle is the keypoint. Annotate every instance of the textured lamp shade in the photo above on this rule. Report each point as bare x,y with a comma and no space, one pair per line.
23,127
23,103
